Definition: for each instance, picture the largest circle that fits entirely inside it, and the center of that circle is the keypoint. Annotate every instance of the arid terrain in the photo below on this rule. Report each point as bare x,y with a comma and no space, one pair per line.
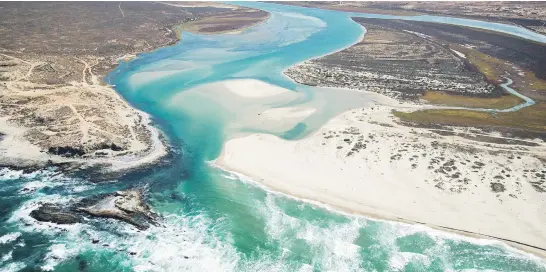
215,18
440,64
396,63
475,161
55,104
530,14
416,146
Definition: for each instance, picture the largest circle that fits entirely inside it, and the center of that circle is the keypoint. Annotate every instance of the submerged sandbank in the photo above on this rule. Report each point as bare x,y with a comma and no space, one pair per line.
245,106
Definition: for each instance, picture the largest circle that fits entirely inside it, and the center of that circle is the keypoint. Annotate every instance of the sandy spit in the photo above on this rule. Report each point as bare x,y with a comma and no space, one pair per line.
365,163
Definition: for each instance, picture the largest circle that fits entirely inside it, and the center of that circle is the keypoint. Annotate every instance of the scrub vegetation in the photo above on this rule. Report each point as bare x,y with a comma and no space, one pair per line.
530,118
442,98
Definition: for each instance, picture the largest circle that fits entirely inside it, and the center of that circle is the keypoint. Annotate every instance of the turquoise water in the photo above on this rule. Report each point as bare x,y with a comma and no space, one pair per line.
220,221
528,101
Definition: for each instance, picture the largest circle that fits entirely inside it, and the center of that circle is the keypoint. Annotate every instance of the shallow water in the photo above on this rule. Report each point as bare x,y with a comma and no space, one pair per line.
221,221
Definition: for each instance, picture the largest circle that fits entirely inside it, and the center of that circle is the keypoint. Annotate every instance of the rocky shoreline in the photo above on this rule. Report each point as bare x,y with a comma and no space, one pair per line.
58,113
56,109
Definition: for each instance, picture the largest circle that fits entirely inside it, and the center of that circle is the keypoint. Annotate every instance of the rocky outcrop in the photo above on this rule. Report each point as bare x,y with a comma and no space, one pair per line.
55,214
128,206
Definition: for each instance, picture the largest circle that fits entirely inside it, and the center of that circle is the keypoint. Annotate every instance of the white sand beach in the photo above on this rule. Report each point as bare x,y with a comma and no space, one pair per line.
363,162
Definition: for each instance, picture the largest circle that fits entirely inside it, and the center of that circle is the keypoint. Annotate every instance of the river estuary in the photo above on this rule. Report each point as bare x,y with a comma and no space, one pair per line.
220,221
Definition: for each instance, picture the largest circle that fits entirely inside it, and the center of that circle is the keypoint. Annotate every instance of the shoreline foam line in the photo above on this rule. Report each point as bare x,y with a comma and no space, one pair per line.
444,232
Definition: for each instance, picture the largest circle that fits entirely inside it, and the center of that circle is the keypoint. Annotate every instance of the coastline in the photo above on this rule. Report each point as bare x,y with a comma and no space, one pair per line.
342,142
145,143
157,150
533,251
19,153
270,175
310,181
230,32
419,12
359,39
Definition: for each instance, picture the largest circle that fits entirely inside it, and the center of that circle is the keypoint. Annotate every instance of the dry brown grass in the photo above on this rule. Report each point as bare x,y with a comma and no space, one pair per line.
530,118
490,67
442,98
493,69
228,22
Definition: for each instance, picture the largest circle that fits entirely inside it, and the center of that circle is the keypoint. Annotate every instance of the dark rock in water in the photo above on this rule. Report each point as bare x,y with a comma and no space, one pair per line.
95,241
54,214
128,206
